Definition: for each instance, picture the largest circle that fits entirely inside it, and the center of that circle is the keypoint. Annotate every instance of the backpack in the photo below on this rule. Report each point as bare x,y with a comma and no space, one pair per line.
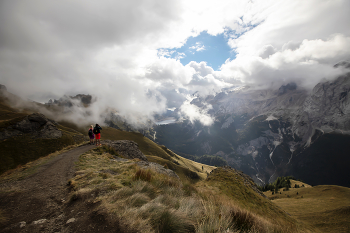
90,132
95,130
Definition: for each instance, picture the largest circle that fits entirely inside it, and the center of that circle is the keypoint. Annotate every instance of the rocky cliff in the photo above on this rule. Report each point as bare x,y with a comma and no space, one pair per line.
269,133
36,125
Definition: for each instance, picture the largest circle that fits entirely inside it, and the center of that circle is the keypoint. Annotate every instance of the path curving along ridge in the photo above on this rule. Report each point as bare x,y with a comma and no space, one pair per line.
38,203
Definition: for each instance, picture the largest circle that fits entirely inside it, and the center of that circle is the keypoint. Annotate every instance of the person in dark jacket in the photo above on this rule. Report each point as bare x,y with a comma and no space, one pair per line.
91,134
97,132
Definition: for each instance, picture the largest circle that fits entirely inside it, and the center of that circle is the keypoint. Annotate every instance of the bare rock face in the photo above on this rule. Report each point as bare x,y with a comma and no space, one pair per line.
3,88
126,148
36,124
329,104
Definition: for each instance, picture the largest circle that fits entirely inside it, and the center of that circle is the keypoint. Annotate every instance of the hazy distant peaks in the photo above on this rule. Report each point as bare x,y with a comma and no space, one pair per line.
284,88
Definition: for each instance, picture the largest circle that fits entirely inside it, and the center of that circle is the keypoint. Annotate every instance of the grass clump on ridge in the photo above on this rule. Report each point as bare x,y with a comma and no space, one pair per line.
147,201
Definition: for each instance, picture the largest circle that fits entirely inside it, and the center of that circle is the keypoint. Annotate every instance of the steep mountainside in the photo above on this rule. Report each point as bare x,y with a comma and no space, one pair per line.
271,133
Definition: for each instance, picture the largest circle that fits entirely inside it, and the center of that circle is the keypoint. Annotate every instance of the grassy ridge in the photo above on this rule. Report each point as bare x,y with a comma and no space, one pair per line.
147,201
184,168
325,207
229,183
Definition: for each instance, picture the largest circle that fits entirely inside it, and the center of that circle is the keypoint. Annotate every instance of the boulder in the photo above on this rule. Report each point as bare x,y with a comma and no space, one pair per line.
126,148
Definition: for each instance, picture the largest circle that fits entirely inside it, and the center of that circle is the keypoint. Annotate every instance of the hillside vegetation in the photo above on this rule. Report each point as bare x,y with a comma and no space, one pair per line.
143,200
324,207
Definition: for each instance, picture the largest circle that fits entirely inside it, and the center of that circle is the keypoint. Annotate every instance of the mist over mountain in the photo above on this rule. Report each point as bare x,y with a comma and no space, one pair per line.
271,133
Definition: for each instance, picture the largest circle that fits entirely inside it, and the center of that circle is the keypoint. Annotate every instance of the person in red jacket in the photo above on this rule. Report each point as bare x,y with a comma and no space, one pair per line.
97,132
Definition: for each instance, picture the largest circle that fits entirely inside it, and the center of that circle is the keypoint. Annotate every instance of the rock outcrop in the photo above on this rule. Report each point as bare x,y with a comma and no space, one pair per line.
126,148
157,168
69,101
130,150
35,125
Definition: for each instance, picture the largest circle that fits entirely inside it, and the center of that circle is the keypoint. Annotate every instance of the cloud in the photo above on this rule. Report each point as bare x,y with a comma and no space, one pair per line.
285,47
194,113
198,47
267,51
306,65
117,50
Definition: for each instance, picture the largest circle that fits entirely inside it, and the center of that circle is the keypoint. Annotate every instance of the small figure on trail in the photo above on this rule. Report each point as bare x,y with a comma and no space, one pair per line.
97,132
91,135
202,168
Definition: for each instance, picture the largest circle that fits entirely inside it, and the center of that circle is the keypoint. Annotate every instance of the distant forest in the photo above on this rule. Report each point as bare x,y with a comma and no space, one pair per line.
280,183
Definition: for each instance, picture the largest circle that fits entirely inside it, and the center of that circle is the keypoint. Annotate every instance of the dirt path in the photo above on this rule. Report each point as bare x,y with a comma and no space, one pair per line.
41,196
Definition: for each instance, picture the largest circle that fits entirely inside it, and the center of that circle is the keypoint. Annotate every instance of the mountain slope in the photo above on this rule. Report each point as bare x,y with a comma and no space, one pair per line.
325,207
271,133
26,136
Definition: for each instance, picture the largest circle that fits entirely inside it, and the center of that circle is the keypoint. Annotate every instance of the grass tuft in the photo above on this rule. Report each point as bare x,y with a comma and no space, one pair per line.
246,221
142,174
3,218
138,200
171,221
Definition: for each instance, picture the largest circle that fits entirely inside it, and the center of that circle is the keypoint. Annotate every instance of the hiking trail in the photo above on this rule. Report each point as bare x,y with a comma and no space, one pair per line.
39,202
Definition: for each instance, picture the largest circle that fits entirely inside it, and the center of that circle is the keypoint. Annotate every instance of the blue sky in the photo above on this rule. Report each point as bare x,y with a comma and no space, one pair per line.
214,50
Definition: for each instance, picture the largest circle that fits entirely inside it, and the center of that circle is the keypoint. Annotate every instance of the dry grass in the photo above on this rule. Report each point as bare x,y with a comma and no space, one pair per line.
326,207
150,148
147,201
142,174
3,218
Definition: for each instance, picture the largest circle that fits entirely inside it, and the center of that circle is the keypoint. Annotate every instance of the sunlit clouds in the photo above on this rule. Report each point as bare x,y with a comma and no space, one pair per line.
128,53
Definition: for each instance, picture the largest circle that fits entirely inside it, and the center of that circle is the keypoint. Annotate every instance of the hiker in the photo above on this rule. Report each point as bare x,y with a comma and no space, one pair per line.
97,133
91,134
